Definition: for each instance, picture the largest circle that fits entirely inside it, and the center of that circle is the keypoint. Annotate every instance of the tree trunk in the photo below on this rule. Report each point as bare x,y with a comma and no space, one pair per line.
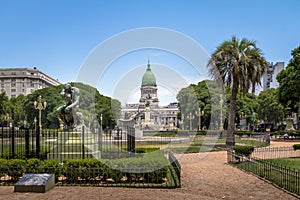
230,140
253,88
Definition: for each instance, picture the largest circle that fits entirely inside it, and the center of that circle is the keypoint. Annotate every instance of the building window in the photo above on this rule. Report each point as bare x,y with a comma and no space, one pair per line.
2,90
13,84
2,85
31,85
13,90
13,73
13,80
2,73
2,80
23,90
13,96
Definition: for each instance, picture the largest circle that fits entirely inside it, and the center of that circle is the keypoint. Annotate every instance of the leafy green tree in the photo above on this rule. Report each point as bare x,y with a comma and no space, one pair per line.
269,107
91,104
49,116
4,107
16,106
239,64
289,82
204,95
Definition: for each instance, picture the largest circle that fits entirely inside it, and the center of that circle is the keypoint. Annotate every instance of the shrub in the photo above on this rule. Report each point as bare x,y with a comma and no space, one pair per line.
243,150
52,167
33,166
296,146
16,168
3,167
85,169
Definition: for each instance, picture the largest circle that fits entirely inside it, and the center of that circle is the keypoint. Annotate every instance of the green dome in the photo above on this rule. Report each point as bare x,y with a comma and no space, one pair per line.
148,78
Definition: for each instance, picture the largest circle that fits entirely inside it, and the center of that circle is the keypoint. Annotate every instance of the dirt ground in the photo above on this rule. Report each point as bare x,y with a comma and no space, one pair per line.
204,176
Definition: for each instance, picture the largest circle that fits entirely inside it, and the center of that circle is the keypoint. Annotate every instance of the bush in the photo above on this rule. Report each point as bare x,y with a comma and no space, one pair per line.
16,168
85,169
243,150
33,166
52,167
296,146
3,167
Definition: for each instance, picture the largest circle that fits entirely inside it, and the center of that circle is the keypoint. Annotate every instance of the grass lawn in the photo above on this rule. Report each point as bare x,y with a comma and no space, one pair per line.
293,163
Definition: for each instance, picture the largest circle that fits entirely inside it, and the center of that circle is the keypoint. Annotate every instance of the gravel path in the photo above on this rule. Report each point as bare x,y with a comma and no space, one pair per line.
203,177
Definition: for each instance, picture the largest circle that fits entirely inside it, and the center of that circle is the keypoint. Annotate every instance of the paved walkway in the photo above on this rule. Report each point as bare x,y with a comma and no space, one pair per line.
204,176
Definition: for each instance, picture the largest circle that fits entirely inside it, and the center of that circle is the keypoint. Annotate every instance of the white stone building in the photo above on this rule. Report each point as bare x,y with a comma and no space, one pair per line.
268,79
148,115
16,81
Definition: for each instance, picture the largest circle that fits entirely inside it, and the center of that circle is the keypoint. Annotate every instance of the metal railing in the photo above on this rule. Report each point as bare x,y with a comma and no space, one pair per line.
280,175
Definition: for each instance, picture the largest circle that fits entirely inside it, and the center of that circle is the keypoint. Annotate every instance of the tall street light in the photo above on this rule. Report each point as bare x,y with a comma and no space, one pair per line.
101,118
40,106
182,121
199,113
35,121
221,112
191,117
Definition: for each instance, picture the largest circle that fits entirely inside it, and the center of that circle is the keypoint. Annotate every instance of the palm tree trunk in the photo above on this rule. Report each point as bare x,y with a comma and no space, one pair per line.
253,88
230,140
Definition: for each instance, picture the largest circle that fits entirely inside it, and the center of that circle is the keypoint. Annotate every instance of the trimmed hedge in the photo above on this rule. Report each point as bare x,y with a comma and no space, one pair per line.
243,150
150,168
296,146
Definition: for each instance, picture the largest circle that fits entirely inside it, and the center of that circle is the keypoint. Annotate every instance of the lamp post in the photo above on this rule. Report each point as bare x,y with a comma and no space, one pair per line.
199,113
101,118
40,106
7,118
221,112
253,119
182,121
35,120
190,117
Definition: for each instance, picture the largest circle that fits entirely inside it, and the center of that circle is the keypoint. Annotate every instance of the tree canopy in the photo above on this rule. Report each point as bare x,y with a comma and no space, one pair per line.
240,65
289,82
91,105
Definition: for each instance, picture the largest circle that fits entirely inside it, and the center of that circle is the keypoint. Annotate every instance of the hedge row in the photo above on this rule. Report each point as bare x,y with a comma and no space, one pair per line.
152,168
296,146
243,150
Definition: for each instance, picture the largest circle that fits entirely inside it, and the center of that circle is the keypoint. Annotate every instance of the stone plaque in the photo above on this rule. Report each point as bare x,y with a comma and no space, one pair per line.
40,183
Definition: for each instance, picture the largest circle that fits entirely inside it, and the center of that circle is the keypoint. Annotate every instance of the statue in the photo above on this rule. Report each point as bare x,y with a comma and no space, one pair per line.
67,113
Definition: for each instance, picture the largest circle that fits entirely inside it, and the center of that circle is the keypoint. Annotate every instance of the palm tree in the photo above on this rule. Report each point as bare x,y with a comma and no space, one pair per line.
239,64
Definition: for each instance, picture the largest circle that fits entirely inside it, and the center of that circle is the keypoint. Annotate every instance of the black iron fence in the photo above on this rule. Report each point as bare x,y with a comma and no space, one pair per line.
55,148
282,176
60,144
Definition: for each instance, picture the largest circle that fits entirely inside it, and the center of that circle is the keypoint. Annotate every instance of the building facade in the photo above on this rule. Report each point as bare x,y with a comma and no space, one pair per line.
16,81
268,79
147,114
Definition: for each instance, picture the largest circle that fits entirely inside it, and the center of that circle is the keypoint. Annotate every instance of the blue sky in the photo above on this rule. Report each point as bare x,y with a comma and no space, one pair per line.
58,35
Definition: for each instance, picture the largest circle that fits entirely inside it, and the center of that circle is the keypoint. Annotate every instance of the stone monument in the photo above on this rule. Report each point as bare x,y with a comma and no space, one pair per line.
77,141
40,183
68,113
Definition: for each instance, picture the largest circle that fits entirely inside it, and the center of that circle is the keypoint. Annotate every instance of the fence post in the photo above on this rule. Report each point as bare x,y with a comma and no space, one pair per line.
131,139
82,143
27,142
12,142
37,142
99,140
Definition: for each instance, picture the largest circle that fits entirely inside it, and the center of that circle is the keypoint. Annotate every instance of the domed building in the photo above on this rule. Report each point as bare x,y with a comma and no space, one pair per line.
147,114
148,90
